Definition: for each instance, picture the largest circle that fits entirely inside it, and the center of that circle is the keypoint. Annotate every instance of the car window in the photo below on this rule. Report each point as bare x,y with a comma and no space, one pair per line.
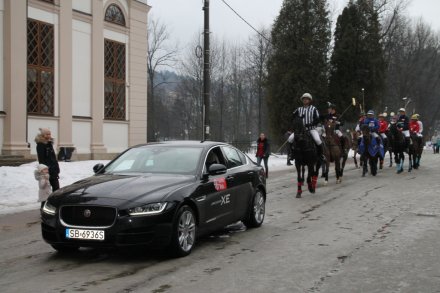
215,156
157,159
233,157
242,157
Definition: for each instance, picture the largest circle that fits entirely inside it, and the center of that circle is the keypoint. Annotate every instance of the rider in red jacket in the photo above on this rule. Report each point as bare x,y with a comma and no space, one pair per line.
383,127
414,126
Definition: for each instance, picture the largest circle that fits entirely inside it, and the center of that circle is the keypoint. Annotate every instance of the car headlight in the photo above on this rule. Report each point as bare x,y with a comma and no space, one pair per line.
49,209
149,209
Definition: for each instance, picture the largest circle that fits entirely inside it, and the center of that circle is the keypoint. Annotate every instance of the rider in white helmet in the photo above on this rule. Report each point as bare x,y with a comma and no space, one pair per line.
310,119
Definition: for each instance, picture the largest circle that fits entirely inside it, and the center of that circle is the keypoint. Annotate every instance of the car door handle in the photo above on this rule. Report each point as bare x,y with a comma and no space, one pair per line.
230,178
251,173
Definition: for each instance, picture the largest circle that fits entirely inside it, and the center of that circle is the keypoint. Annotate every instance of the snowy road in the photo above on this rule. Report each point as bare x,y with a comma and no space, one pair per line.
365,235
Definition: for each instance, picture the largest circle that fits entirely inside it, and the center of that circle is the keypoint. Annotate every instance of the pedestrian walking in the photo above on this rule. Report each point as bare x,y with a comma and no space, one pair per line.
46,155
41,174
263,152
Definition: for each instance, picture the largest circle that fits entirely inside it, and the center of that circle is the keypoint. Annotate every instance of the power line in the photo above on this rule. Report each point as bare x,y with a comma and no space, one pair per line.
242,18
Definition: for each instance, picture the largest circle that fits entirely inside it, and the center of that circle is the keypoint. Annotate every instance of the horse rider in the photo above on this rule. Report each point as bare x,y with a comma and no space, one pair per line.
383,127
310,119
373,124
414,127
403,125
333,116
362,117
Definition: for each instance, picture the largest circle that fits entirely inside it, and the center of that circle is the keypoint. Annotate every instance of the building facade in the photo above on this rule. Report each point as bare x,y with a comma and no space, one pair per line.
77,67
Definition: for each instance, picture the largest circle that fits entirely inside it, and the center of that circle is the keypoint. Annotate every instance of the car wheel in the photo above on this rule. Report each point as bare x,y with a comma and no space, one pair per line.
258,210
184,232
64,248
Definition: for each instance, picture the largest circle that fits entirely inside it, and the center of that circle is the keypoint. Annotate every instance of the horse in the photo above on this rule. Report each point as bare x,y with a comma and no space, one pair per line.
370,151
415,150
355,146
387,148
333,151
305,155
418,151
397,142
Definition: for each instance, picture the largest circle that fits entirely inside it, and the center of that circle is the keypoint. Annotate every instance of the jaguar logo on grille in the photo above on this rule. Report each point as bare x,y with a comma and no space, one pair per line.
87,213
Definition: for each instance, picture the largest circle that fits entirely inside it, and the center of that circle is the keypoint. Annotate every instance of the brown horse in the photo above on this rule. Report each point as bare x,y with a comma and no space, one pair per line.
333,151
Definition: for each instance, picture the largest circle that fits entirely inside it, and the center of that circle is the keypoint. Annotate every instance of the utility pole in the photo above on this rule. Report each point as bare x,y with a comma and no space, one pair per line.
206,74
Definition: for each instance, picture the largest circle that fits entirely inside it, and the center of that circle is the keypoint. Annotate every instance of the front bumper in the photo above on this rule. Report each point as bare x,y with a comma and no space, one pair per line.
155,231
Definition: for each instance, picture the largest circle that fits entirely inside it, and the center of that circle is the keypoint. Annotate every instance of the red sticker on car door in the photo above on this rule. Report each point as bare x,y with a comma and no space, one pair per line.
220,184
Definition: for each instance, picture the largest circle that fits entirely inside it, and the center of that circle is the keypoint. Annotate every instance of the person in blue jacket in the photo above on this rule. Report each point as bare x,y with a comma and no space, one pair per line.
373,124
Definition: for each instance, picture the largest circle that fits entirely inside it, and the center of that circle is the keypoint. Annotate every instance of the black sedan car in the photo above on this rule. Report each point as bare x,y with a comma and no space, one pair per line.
159,194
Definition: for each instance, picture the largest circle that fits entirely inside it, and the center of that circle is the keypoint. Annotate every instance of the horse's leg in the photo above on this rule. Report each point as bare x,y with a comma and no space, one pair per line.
355,160
364,165
344,160
327,168
373,165
391,158
410,161
299,180
338,169
401,162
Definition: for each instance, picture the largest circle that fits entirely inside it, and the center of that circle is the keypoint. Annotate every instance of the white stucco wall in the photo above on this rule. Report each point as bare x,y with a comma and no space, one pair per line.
82,68
1,64
51,18
34,124
82,5
115,136
82,136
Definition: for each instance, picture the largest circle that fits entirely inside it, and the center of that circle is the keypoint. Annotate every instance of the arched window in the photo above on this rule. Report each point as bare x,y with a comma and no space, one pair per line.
114,14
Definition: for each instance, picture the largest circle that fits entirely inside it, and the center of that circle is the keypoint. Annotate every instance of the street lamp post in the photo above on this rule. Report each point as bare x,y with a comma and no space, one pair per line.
363,99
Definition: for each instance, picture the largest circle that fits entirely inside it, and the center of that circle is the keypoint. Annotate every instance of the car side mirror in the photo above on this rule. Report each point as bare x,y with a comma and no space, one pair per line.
98,167
217,169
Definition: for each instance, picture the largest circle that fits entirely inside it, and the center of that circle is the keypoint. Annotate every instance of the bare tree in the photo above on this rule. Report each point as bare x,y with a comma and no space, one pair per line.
161,54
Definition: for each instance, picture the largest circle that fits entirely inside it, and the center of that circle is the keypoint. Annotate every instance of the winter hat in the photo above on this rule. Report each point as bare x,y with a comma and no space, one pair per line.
402,110
371,112
41,167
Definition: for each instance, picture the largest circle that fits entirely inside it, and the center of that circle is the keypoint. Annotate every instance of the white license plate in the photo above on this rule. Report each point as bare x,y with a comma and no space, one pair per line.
85,234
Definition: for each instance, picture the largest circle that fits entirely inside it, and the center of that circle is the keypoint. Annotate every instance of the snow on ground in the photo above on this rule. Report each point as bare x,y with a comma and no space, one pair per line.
19,189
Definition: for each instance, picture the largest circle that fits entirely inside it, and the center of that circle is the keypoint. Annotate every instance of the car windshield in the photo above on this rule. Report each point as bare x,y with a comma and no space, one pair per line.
157,159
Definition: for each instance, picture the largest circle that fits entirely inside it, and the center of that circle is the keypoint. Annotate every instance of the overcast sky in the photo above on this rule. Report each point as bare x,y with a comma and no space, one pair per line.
184,18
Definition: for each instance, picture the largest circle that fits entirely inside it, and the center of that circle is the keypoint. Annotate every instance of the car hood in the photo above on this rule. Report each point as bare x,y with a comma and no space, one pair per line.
121,188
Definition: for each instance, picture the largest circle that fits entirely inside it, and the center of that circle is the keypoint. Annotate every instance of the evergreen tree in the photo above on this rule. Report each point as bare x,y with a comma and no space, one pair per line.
358,60
298,63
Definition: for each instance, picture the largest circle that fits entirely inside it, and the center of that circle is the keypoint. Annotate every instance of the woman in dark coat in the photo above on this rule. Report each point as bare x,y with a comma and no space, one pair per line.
46,155
263,152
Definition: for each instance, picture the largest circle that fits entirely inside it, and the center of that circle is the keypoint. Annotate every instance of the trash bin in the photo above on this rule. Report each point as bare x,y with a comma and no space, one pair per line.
65,153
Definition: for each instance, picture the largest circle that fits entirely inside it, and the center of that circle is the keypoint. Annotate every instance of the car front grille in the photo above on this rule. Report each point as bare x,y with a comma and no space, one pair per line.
88,216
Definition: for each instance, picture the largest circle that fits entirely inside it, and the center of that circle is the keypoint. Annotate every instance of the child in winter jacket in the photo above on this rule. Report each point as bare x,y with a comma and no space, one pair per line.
42,176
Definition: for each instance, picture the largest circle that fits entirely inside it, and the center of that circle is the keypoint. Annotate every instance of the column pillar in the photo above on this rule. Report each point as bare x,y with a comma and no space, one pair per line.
65,73
15,68
97,147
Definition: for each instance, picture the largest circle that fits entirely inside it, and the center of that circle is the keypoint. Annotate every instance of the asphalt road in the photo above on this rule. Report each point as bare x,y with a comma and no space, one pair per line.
372,234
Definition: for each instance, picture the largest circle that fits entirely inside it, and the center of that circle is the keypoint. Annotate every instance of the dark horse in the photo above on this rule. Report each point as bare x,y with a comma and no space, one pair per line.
370,151
333,152
305,155
416,150
397,143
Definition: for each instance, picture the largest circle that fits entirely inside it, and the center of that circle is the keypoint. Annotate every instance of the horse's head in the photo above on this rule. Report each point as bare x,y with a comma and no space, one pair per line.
365,130
330,126
298,126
